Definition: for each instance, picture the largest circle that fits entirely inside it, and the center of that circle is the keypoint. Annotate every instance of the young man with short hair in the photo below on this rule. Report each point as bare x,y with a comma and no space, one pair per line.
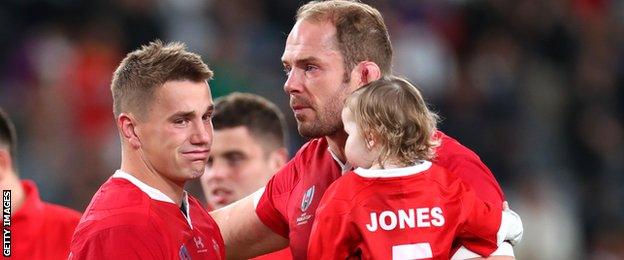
163,108
248,148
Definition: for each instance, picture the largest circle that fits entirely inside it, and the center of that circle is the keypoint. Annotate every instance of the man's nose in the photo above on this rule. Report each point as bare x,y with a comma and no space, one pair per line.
293,82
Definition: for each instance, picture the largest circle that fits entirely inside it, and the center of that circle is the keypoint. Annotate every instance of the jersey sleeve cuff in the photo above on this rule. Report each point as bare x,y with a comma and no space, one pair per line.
269,214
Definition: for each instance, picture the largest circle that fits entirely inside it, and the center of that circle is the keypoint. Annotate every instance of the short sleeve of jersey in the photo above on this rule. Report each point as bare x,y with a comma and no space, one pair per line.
481,224
124,242
271,208
460,160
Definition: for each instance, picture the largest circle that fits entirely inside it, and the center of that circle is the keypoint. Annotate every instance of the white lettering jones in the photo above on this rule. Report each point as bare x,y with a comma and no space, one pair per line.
410,218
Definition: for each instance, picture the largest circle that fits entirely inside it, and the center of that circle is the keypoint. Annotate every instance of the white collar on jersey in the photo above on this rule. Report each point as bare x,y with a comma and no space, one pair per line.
419,167
344,167
154,193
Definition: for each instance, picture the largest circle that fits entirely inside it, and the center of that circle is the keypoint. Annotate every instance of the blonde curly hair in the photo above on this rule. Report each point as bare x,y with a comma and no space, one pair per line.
394,114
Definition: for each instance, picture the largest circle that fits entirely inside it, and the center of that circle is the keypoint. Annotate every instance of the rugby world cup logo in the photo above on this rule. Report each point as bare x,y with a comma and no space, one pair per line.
307,199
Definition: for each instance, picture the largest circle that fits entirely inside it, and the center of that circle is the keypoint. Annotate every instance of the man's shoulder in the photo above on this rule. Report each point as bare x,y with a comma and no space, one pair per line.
313,157
118,194
441,175
450,149
315,149
460,160
117,203
127,241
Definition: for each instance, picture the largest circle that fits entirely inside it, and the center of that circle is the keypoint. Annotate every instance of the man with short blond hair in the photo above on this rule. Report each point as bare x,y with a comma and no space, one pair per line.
163,108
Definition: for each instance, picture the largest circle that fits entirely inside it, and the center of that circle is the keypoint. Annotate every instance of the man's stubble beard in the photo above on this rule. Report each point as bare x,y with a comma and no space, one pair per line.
328,119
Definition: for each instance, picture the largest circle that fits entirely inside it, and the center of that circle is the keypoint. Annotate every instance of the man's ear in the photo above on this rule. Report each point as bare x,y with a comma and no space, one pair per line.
367,71
128,130
278,158
6,163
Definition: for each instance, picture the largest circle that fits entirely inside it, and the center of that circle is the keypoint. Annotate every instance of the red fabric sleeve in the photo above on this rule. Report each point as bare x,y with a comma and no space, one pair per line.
478,177
481,221
124,242
462,161
272,206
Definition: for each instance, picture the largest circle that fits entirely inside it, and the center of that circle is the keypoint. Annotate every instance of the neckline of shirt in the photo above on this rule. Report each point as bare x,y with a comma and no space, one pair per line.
344,167
419,167
154,193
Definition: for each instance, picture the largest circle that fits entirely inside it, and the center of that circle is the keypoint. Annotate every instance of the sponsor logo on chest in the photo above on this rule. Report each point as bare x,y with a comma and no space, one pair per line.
199,244
198,241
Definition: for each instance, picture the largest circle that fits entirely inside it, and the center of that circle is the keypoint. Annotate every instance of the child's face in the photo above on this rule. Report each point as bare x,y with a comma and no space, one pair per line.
357,152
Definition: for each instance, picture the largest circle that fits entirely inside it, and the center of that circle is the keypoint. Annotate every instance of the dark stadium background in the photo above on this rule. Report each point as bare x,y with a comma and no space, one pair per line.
534,87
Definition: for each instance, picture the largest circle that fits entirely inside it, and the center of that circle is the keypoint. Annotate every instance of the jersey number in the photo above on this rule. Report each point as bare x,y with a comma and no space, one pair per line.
412,251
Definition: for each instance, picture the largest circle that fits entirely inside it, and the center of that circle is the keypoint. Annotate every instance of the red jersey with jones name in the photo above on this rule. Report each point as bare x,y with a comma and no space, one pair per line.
416,212
127,219
292,195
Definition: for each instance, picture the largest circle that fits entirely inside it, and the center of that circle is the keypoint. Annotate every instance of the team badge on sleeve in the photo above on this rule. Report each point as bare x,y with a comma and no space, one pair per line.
307,199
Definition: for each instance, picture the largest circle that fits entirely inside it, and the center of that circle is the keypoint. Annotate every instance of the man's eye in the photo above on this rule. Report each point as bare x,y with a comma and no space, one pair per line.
310,68
235,160
287,71
180,122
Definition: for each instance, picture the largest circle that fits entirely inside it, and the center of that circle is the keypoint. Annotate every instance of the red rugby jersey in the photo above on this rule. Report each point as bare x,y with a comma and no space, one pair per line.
415,212
283,254
41,230
290,198
127,219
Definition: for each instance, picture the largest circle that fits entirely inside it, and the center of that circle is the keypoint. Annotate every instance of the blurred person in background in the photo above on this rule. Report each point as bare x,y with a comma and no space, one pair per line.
163,107
248,148
334,48
39,230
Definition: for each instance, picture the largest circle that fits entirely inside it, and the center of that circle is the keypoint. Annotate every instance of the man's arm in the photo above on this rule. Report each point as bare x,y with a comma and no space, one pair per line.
510,230
467,164
244,233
